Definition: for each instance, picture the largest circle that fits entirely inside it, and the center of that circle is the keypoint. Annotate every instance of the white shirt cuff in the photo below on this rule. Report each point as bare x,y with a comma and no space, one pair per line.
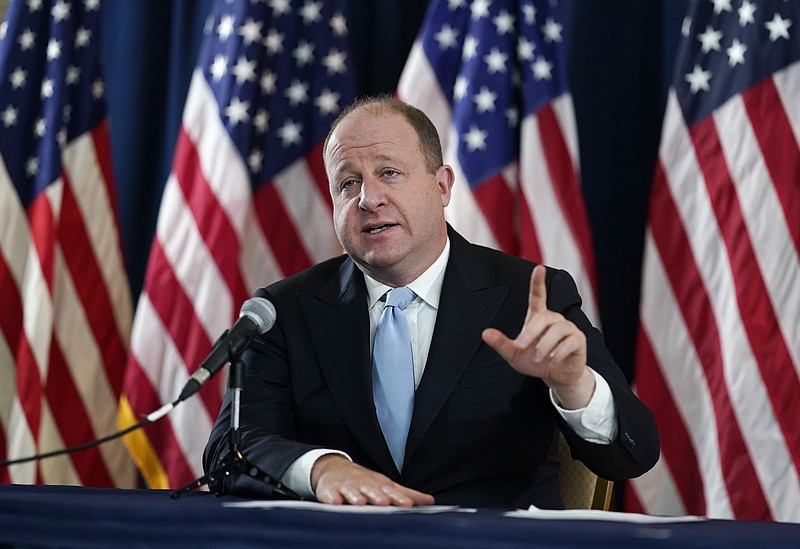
298,475
597,422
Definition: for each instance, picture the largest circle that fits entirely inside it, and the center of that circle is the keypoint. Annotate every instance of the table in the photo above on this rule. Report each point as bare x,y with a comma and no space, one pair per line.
101,517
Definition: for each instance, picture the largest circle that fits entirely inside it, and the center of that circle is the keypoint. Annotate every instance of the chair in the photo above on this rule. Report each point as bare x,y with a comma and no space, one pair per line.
580,488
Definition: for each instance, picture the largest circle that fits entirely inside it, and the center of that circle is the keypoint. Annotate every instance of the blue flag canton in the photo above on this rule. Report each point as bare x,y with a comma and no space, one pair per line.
280,74
496,62
727,48
51,86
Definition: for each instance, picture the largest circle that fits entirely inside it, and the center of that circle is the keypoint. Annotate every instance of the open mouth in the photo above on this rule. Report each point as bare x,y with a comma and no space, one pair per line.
379,228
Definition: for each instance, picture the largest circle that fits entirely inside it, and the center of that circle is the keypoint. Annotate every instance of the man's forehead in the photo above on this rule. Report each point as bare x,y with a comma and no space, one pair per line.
375,125
346,159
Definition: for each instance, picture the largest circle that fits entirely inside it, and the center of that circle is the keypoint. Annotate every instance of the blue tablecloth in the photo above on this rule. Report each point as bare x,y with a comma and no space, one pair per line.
94,517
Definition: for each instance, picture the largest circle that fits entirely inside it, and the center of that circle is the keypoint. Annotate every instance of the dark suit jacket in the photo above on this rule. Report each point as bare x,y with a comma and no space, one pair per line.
481,435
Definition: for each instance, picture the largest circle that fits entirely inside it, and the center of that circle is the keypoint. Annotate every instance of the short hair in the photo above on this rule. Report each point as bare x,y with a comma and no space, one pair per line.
427,136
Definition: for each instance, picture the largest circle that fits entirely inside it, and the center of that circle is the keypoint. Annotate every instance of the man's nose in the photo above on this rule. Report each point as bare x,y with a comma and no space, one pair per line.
372,195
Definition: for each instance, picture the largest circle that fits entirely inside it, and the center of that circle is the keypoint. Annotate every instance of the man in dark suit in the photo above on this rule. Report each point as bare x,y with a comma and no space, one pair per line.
486,410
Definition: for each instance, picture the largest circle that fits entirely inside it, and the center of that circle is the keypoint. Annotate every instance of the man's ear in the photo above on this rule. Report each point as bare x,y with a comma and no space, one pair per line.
445,177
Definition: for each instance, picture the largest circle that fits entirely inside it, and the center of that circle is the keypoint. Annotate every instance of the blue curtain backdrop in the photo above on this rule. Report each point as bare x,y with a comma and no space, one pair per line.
621,54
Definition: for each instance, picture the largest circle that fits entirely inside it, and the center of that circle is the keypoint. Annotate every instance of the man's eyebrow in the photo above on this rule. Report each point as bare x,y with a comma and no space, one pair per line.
345,168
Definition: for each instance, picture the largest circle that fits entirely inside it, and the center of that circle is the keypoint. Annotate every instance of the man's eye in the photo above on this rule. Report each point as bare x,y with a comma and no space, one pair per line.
348,184
390,173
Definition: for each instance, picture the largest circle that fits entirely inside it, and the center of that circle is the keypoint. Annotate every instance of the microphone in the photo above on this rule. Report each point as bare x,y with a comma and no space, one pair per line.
256,317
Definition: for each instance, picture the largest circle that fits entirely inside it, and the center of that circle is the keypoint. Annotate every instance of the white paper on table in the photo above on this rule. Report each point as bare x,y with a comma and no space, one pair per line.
596,514
364,509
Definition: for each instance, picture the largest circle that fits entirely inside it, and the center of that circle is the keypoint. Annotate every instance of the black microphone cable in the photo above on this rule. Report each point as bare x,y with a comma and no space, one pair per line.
150,418
257,316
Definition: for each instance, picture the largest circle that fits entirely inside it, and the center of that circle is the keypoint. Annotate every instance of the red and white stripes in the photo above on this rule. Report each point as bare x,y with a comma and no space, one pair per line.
216,242
66,317
718,359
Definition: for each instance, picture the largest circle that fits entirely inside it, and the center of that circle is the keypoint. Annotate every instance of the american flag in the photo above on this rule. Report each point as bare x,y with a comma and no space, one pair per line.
65,309
491,74
246,204
718,357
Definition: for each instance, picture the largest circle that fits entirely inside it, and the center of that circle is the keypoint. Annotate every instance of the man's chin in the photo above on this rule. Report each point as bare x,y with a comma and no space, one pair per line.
379,261
379,266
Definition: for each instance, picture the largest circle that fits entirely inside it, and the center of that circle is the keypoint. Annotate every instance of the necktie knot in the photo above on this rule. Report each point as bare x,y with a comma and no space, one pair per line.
400,297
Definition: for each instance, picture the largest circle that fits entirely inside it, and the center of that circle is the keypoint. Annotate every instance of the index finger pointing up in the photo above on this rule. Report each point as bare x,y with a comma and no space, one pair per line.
537,297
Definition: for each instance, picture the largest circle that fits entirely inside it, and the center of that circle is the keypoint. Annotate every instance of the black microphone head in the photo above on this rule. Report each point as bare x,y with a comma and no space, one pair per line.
261,311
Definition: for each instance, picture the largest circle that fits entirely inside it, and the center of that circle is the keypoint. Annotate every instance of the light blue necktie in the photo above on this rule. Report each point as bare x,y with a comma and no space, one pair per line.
393,373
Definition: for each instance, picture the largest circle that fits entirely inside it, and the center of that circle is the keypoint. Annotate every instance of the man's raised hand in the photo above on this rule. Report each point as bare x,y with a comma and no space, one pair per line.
549,347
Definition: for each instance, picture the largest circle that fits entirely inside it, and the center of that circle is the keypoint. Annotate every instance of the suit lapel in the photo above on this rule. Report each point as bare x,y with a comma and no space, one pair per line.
466,307
338,323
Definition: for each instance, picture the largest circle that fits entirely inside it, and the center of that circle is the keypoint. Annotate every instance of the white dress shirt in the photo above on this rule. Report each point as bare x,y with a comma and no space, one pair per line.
594,423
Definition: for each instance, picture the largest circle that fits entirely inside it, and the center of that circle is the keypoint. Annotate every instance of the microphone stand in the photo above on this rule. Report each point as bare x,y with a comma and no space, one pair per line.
235,461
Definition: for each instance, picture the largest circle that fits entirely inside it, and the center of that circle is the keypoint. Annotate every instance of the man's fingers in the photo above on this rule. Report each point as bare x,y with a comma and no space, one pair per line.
531,330
339,481
537,295
354,496
402,496
421,498
331,496
548,346
378,493
549,337
498,341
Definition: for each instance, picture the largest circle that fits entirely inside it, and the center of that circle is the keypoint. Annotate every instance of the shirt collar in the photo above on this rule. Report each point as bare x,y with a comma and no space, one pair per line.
428,285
